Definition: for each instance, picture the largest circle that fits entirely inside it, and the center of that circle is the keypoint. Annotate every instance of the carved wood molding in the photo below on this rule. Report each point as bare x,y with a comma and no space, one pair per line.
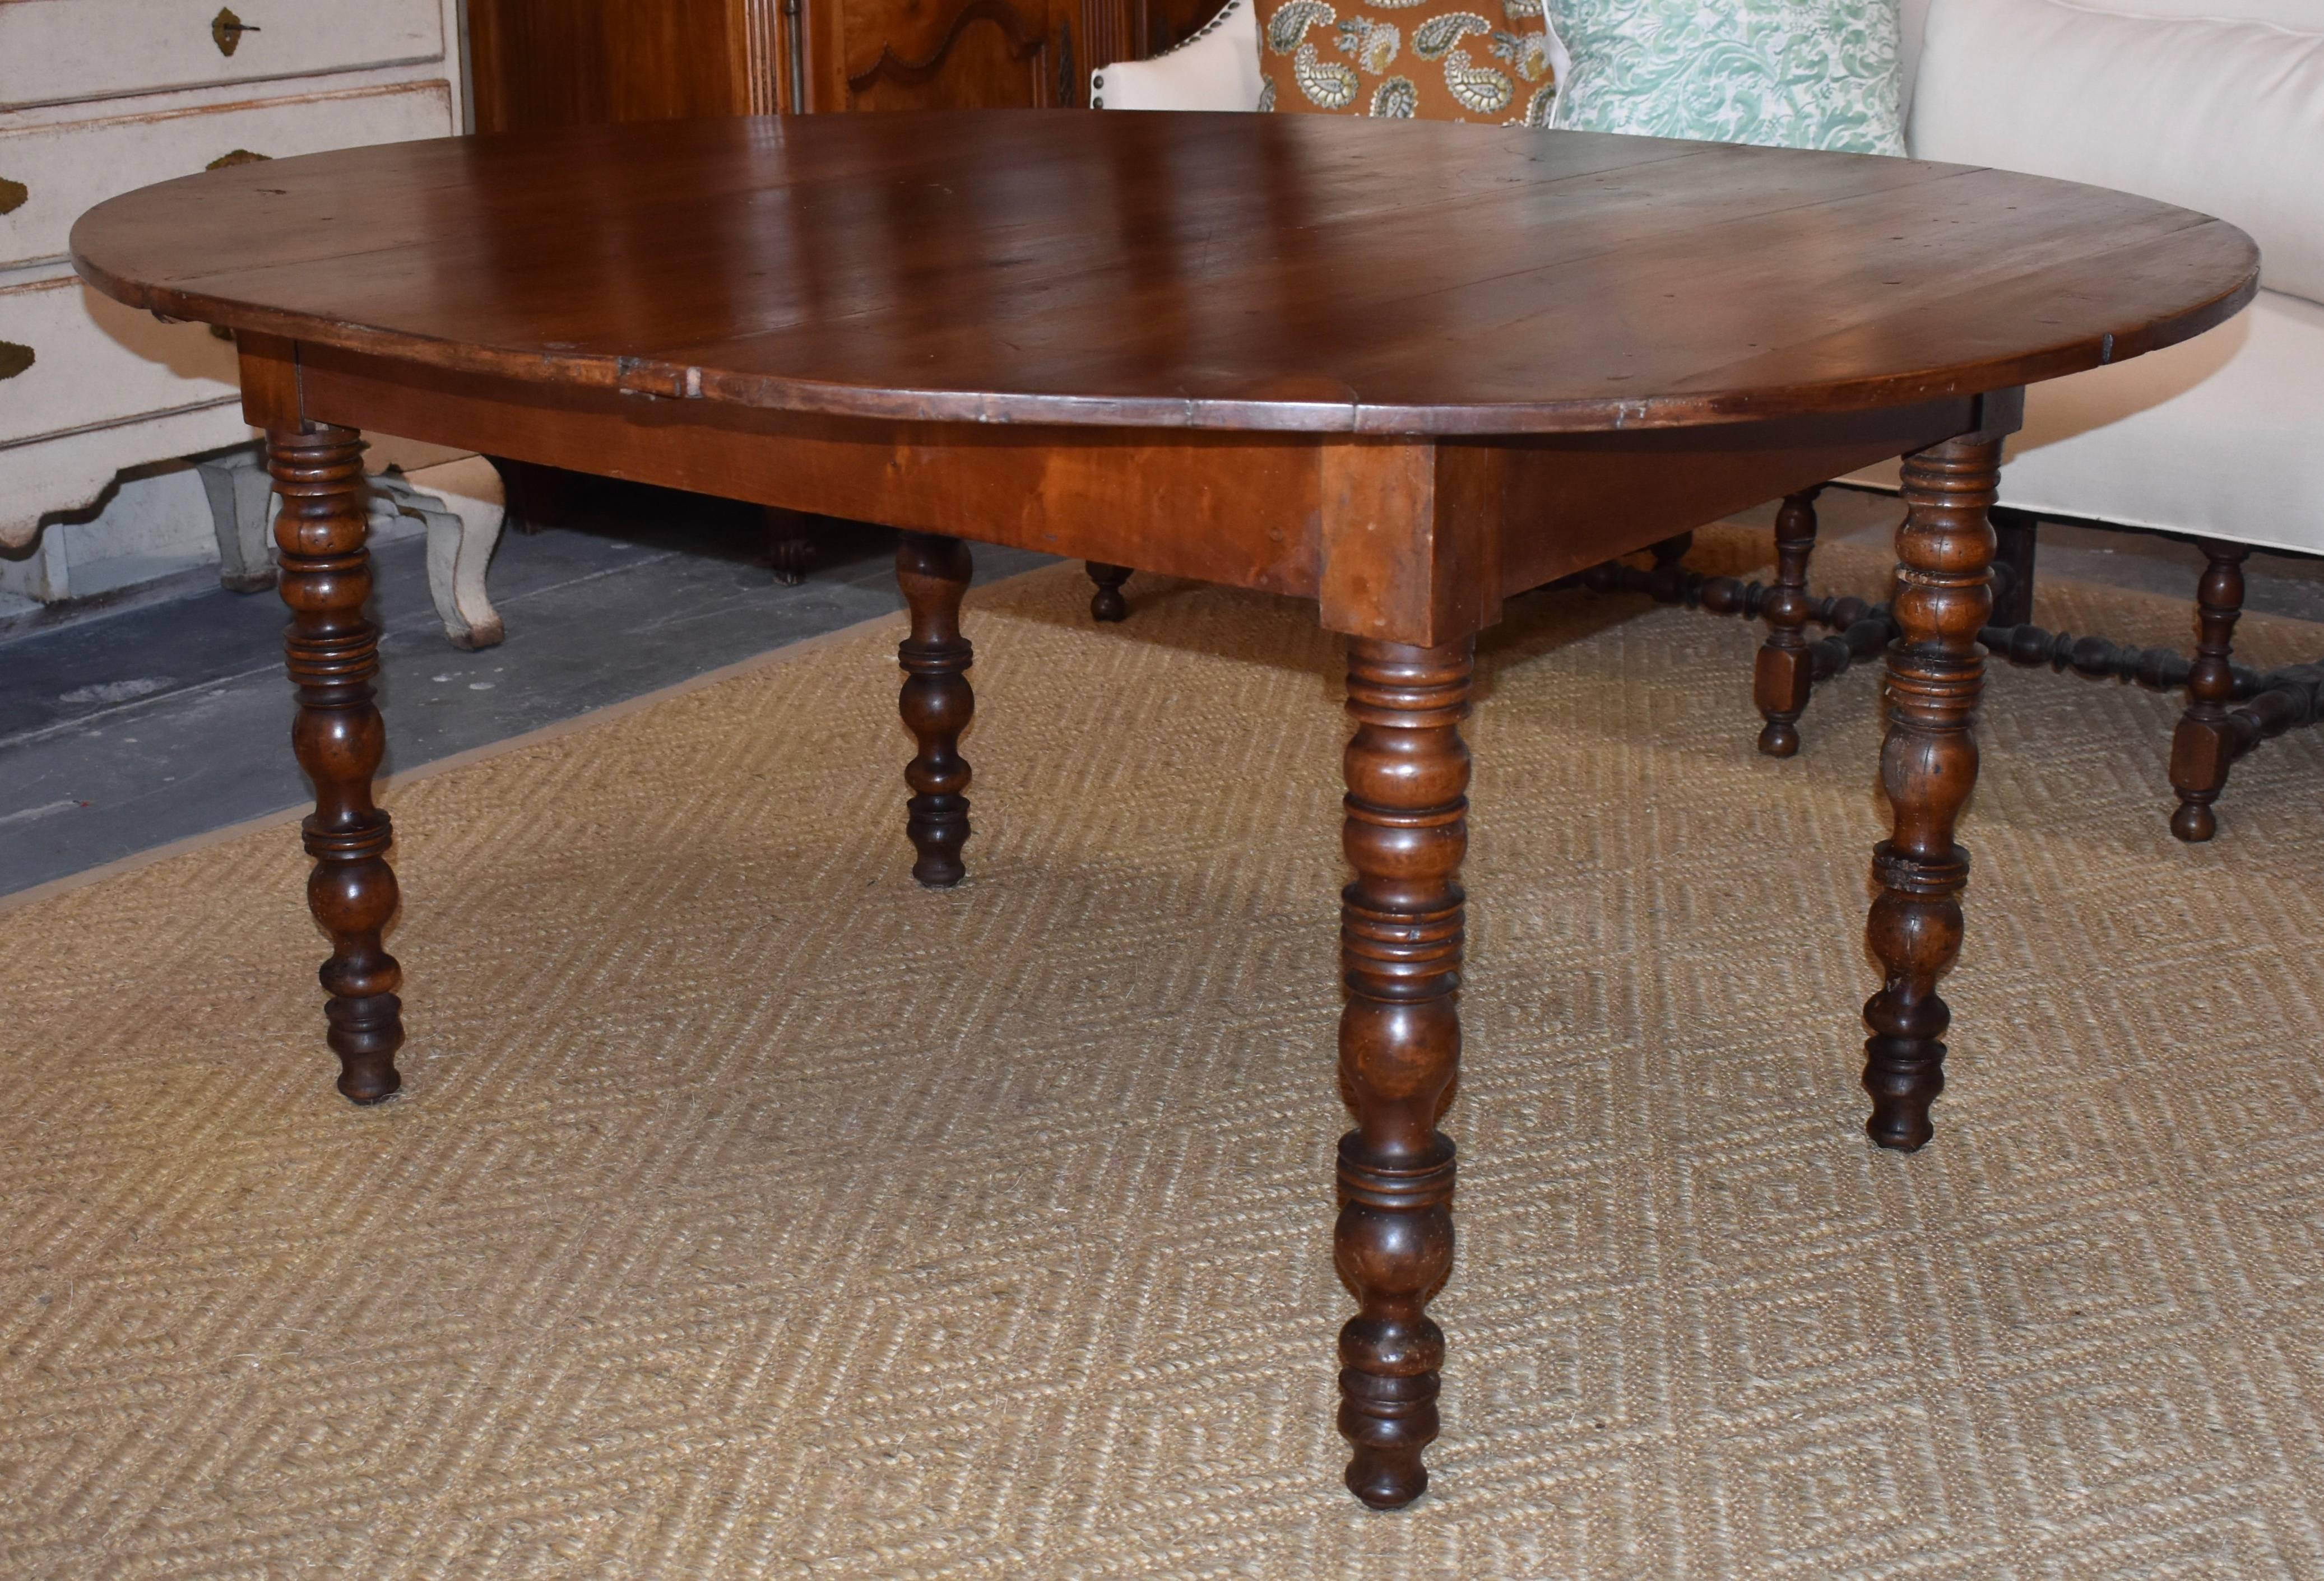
1024,43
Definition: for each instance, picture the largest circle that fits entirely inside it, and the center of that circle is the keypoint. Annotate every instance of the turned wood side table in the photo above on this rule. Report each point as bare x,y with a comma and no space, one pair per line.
1402,370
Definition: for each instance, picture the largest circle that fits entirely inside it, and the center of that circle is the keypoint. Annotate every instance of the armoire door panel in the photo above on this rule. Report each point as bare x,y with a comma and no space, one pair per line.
588,62
950,54
574,62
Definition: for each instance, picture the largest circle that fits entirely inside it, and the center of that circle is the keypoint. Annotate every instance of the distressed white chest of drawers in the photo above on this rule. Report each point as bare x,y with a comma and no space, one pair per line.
99,96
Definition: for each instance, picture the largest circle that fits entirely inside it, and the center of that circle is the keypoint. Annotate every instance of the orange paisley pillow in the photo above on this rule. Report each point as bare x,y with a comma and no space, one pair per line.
1485,60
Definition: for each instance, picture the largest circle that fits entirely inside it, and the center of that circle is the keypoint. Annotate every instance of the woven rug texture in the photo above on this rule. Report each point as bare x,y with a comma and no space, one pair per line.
754,1213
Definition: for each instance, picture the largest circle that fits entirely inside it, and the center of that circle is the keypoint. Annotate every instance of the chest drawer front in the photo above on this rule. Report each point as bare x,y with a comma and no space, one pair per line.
57,52
71,359
61,170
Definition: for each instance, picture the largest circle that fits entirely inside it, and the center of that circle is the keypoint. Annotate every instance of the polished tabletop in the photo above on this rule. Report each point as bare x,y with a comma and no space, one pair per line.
1287,272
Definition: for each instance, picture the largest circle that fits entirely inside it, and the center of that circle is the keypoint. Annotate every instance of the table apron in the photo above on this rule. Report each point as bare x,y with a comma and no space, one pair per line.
1410,539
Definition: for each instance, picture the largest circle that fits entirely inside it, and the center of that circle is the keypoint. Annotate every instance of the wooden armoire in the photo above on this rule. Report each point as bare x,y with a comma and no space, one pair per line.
572,62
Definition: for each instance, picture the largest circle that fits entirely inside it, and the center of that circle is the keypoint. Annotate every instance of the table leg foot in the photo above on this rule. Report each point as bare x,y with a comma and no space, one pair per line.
1928,765
1400,937
936,703
332,653
1784,676
1106,602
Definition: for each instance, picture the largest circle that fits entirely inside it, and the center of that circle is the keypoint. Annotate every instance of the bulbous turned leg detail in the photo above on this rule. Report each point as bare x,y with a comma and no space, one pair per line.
1106,603
1928,765
936,702
1400,936
2204,747
1784,675
333,656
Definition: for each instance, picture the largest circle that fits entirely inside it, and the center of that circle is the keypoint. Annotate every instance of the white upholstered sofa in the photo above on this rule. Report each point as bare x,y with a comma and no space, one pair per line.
2214,104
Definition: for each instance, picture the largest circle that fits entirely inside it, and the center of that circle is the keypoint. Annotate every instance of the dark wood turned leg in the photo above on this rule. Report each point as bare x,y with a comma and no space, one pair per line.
2203,748
1784,676
1928,766
1106,603
1666,580
936,703
333,654
2014,545
790,547
1400,927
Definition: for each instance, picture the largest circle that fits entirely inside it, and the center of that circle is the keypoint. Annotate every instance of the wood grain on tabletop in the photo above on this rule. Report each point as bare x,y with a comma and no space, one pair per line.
1232,270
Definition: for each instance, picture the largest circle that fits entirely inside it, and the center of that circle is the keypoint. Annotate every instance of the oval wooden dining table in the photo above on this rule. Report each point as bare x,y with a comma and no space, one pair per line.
1405,369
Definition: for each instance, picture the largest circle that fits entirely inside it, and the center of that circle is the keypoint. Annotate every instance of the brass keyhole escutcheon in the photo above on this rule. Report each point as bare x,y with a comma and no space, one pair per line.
12,195
226,29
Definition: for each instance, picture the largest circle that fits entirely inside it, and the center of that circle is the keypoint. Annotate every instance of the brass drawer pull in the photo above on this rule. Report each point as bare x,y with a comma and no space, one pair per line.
240,156
13,358
226,29
12,195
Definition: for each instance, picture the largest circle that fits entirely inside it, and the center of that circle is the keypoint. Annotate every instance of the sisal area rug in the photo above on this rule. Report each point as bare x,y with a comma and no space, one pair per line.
753,1213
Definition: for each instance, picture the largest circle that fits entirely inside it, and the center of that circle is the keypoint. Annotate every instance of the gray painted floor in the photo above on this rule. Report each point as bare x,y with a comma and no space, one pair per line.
165,714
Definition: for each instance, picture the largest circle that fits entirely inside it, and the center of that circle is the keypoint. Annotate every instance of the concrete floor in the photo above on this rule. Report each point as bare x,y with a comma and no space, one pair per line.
164,714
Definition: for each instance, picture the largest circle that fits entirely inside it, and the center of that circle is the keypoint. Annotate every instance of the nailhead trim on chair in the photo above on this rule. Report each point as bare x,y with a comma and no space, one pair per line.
1224,12
1097,79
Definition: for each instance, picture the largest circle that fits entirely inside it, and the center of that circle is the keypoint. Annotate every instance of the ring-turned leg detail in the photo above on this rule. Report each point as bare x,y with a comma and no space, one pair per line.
1400,936
1106,603
936,702
1785,673
1928,765
333,656
2204,747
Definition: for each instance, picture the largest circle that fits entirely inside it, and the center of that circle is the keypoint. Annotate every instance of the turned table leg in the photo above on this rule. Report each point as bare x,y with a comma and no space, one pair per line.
2203,748
333,654
2015,543
1784,675
1400,927
790,544
1106,603
936,701
1666,582
1928,765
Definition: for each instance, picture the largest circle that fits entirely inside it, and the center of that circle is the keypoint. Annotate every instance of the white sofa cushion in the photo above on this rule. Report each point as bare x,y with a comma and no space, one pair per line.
2222,435
1215,69
2302,16
2226,117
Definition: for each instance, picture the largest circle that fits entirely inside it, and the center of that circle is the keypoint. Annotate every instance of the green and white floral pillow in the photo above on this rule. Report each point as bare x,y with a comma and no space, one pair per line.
1783,73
